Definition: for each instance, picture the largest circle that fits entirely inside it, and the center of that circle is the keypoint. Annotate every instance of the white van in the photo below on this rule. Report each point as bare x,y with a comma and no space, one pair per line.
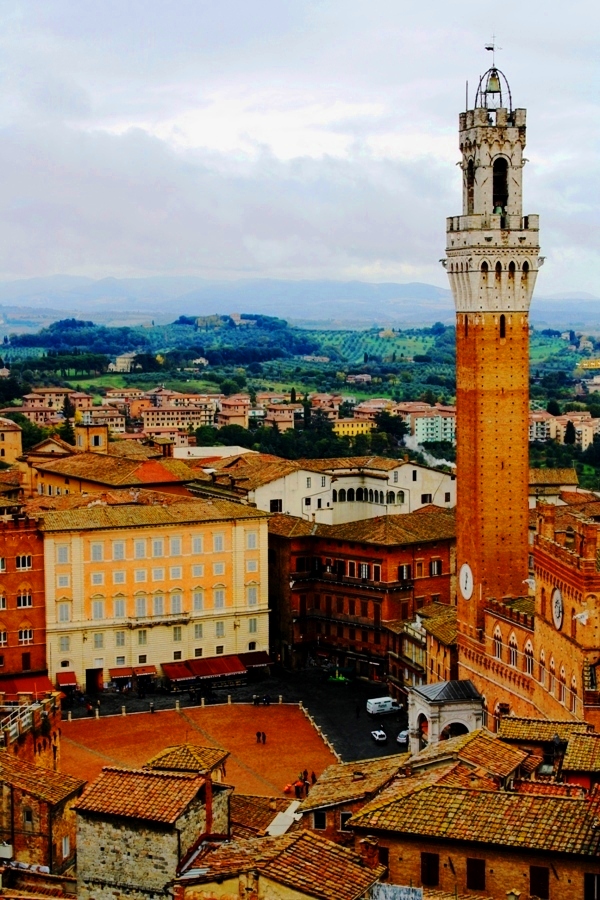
381,706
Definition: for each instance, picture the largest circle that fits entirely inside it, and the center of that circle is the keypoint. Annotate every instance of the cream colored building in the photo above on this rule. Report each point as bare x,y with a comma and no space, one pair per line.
11,444
141,584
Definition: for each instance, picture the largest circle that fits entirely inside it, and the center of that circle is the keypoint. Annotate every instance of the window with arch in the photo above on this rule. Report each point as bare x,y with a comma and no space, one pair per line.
500,185
552,685
562,685
334,496
484,712
400,497
342,495
391,497
543,668
529,658
484,269
573,695
470,187
513,651
466,326
359,495
502,325
525,272
511,270
497,643
370,496
350,495
498,270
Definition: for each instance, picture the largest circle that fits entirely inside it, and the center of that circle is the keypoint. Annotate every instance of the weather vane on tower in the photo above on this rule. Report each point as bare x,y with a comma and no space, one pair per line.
492,46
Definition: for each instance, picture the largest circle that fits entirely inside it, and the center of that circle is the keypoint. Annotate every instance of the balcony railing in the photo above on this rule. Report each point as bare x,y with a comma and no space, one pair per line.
347,580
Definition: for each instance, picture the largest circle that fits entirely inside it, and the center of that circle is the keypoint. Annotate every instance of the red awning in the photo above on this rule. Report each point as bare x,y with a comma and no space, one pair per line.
66,679
27,684
121,672
144,670
255,659
177,671
217,666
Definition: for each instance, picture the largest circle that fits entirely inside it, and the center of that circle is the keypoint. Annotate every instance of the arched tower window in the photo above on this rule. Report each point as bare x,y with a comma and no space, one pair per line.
529,658
502,326
552,676
498,643
562,686
543,668
511,270
513,651
466,326
470,187
498,270
500,185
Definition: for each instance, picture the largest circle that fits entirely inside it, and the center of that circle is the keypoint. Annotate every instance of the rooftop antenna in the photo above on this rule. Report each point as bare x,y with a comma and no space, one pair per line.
492,46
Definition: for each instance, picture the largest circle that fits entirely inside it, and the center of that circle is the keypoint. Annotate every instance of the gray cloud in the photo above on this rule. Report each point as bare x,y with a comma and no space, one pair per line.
306,139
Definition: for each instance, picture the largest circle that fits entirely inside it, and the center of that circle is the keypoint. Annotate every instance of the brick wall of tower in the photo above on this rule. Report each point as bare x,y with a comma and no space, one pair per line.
492,458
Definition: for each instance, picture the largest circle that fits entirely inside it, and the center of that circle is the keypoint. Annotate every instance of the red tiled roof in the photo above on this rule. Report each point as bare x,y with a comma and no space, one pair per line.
140,794
188,758
46,784
302,861
528,821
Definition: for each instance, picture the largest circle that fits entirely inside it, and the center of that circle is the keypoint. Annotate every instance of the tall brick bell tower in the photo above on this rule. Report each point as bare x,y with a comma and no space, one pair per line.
492,261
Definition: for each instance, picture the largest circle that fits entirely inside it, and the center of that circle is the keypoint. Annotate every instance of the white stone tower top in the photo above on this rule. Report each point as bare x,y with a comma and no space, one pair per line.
492,248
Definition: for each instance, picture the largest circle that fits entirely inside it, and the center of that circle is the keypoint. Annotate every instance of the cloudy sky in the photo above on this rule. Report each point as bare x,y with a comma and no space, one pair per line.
281,138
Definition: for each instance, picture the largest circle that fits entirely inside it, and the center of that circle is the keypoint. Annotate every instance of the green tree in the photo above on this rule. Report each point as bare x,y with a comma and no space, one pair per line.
570,435
228,386
293,395
552,407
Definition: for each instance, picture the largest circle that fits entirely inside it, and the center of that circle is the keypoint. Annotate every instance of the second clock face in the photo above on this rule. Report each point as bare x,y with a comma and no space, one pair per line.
465,581
557,609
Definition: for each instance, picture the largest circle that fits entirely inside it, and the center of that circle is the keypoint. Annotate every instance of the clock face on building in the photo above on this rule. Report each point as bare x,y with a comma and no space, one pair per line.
465,581
557,609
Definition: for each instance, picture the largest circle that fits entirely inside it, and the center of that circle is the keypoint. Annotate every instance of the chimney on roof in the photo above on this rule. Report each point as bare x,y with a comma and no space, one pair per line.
369,853
272,803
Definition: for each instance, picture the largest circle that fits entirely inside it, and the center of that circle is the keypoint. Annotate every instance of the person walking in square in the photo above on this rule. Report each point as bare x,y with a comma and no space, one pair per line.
258,736
263,737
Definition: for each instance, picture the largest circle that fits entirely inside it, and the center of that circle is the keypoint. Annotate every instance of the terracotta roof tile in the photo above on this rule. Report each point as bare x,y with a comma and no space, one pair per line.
431,523
441,625
549,824
116,471
381,463
251,815
481,749
188,758
514,728
582,754
48,785
549,789
134,515
302,861
344,782
553,476
140,794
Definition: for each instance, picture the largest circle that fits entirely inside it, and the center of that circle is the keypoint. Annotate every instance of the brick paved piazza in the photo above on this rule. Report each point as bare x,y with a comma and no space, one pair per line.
292,742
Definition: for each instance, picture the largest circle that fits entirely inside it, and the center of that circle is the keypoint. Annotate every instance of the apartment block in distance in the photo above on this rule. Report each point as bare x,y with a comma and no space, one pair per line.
142,583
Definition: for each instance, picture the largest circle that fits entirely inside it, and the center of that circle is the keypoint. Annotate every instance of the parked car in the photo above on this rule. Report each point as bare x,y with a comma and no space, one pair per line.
403,737
379,736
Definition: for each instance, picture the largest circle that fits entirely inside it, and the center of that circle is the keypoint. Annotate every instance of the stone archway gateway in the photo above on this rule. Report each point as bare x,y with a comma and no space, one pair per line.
441,710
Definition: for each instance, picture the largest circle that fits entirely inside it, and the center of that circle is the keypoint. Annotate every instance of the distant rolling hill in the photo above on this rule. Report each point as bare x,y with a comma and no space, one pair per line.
324,303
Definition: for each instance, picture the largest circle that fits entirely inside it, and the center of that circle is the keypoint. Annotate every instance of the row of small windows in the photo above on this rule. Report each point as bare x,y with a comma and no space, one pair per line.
363,495
512,267
23,599
140,576
365,571
177,634
156,605
546,676
158,548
